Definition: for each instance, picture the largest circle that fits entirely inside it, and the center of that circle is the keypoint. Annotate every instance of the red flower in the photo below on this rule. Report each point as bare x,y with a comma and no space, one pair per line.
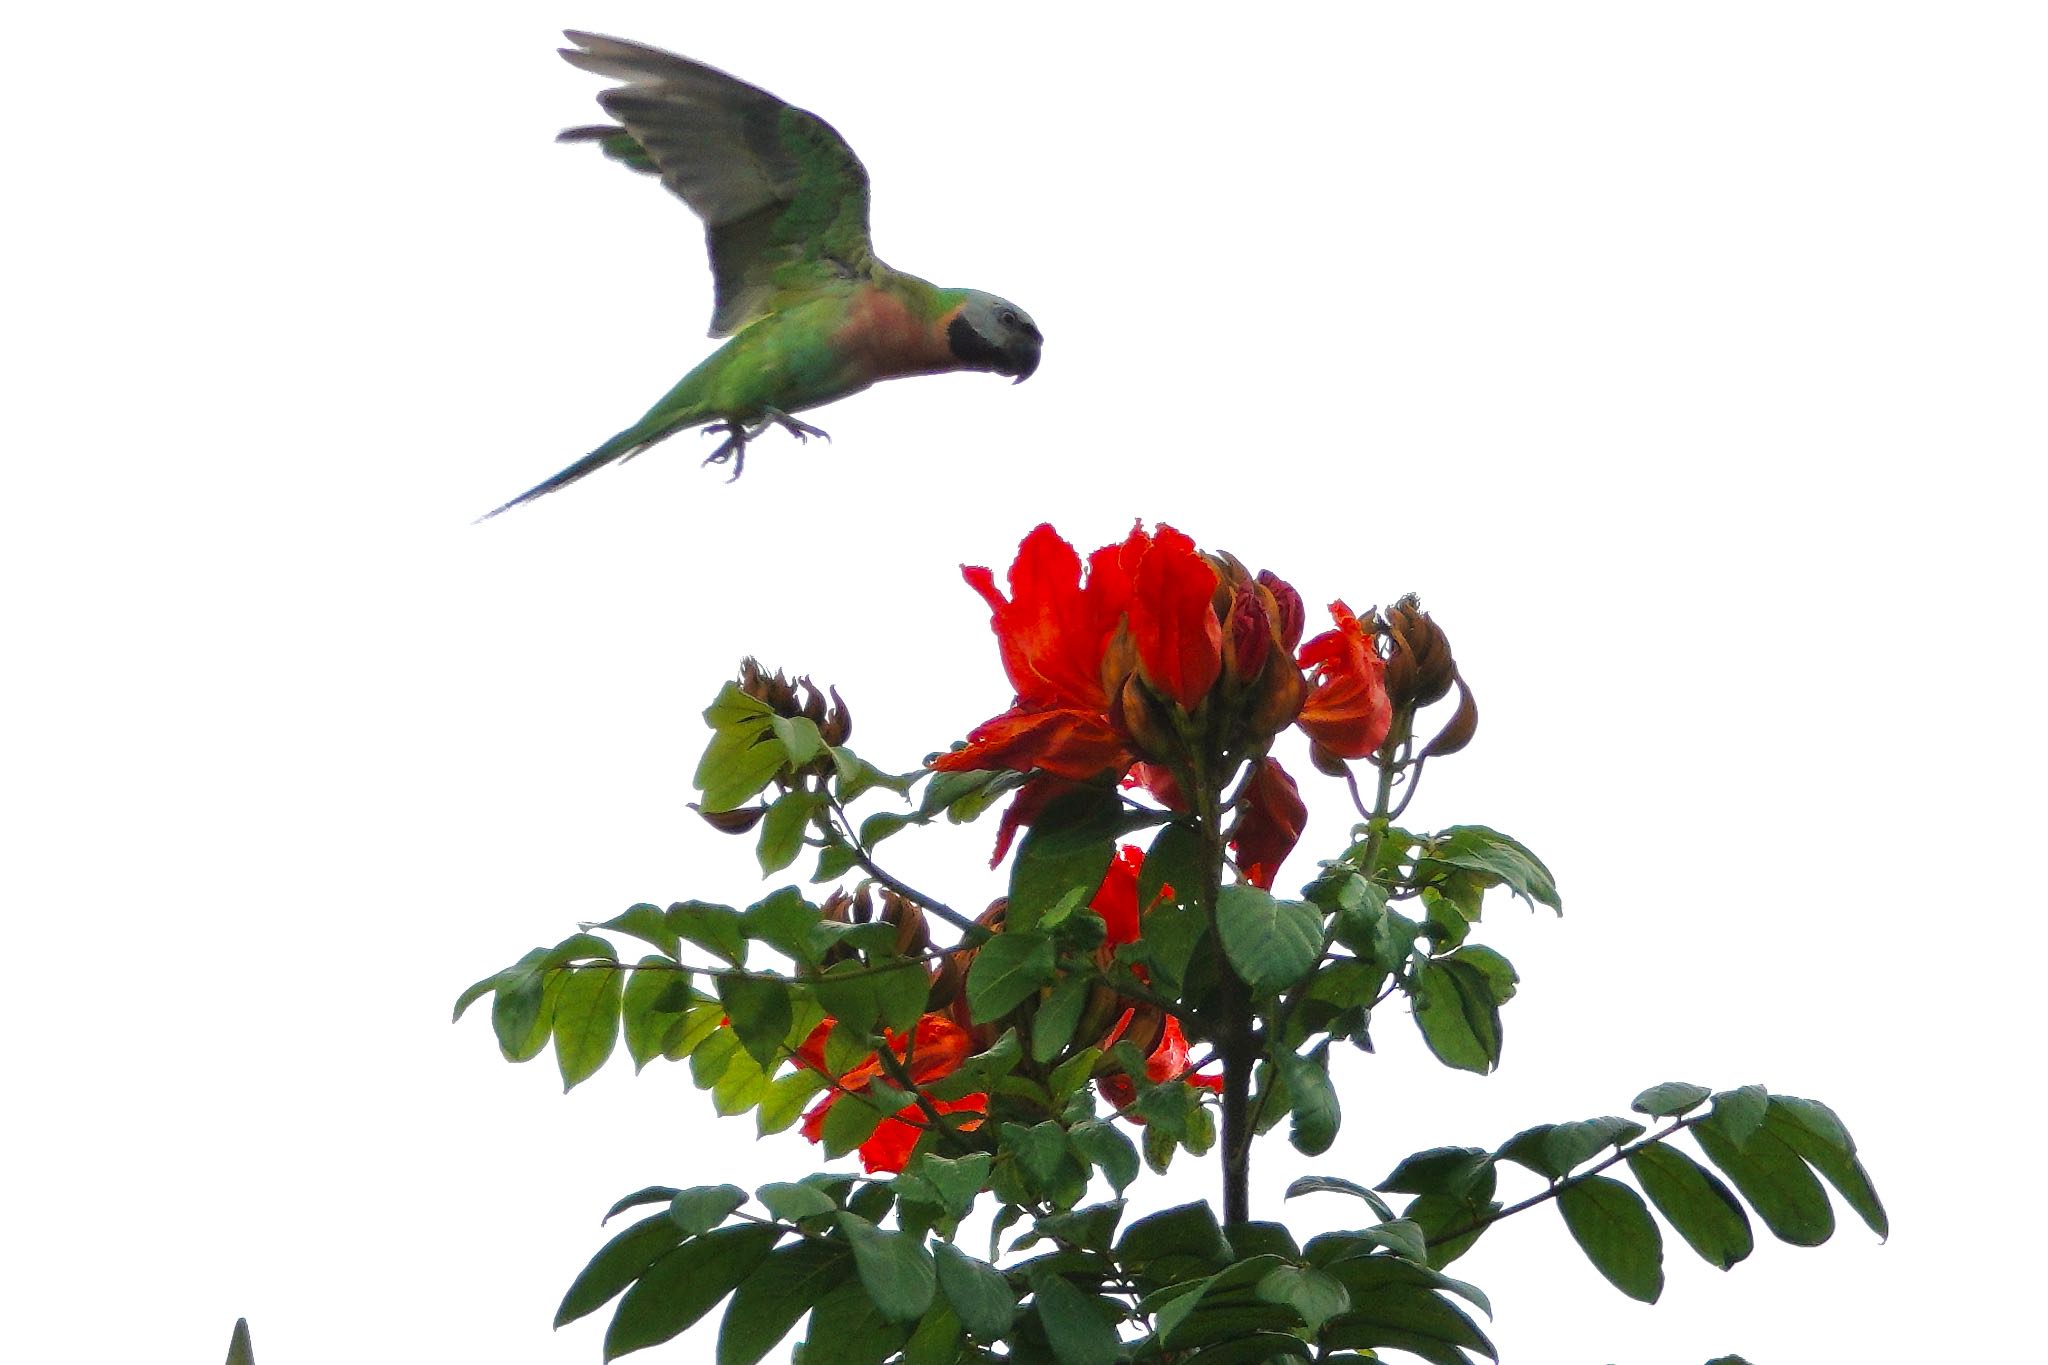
1056,631
1269,825
1173,619
1168,1062
935,1048
1347,712
1116,900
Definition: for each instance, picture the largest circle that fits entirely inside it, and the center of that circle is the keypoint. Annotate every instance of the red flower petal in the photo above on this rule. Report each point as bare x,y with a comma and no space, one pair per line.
1069,742
1173,620
1347,711
1051,628
1270,825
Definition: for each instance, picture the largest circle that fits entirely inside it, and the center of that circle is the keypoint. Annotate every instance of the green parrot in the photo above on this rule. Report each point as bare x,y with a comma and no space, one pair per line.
813,316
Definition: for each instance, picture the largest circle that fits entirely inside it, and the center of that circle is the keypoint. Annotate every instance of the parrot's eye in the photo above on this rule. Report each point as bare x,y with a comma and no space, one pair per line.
1009,319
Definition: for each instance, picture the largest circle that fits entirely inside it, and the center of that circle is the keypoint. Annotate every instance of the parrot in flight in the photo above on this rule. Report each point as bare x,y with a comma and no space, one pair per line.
811,314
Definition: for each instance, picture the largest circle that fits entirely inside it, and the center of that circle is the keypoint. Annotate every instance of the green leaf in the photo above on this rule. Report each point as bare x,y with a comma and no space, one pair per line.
1185,1233
586,1024
1391,1310
1613,1227
651,1194
1172,933
884,823
705,1207
645,1026
1775,1181
714,928
847,1328
692,1029
1079,1327
835,860
1740,1113
901,993
516,1015
1256,1348
1495,854
1693,1200
1007,970
761,1015
737,763
956,1180
1052,1027
1811,1129
937,1338
788,1284
1317,1296
1315,1108
895,1269
1499,974
786,922
847,992
799,738
1453,1171
732,706
1670,1099
850,1121
782,830
617,1264
977,1291
1107,1149
1553,1149
1454,1008
1271,942
684,1285
1070,1075
648,924
1330,1184
1064,855
792,1201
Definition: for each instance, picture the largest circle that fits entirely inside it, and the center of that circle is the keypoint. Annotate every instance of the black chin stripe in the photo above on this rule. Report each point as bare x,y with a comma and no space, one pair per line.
973,350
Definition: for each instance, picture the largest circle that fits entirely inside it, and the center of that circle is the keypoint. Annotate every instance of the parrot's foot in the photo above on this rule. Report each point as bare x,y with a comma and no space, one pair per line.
733,448
803,431
737,434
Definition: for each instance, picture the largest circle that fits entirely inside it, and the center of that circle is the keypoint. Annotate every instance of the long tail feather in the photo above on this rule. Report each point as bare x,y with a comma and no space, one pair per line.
618,447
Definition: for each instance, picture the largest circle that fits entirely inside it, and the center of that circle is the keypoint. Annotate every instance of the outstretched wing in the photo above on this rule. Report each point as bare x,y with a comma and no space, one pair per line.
783,198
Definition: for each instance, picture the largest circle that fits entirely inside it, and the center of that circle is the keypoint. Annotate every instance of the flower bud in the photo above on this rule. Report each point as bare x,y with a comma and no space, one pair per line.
837,727
740,821
773,690
1419,663
1289,615
1143,718
912,937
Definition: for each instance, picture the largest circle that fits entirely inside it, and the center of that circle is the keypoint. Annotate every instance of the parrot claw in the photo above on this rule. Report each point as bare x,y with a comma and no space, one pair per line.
803,431
737,434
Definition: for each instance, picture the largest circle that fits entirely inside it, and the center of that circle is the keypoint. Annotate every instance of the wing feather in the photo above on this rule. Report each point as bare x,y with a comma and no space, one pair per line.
783,198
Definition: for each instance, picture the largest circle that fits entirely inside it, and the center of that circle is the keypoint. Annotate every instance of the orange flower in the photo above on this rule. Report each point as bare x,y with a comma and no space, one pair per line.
933,1049
1347,712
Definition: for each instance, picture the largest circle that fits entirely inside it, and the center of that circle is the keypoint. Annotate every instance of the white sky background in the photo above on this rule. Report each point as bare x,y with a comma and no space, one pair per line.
1689,363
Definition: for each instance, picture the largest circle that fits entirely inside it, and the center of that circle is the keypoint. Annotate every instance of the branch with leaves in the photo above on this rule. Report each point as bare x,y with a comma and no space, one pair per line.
1137,993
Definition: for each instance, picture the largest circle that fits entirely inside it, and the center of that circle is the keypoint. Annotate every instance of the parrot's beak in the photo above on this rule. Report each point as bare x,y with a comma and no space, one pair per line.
1023,358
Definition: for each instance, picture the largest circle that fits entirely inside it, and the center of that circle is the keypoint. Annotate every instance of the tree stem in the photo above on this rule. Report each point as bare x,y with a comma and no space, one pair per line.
1233,1016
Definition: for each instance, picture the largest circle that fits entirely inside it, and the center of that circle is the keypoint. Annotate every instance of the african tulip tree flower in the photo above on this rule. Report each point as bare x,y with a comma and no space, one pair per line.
932,1050
1151,660
1269,823
1347,712
1168,1062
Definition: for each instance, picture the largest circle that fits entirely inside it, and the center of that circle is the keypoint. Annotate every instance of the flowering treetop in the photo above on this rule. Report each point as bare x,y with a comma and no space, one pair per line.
1138,991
